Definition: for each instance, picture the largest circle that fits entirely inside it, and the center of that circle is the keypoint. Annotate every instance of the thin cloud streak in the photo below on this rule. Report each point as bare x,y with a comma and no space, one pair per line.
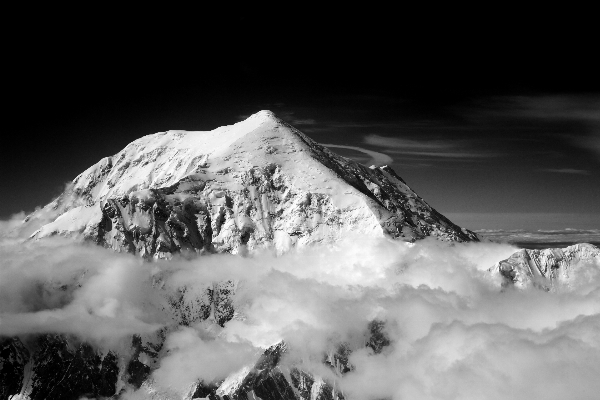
430,148
289,116
406,144
582,110
567,171
377,158
457,154
591,142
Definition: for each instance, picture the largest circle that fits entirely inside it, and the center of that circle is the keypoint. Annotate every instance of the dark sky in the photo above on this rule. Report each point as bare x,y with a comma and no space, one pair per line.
492,129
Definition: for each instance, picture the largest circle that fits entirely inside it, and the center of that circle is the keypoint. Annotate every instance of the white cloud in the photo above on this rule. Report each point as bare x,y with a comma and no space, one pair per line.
191,358
453,333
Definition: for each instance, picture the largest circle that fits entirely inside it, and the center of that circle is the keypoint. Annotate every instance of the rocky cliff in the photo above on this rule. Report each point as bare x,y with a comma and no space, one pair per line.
255,184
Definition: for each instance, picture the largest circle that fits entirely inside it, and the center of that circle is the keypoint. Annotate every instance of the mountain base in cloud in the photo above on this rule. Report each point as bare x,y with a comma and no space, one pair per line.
385,319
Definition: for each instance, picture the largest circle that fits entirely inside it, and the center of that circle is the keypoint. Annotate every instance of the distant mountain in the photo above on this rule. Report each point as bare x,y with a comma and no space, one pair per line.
255,184
547,269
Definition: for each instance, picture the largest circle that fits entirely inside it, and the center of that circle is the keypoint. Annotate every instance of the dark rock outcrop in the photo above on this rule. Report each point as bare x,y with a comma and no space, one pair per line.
13,361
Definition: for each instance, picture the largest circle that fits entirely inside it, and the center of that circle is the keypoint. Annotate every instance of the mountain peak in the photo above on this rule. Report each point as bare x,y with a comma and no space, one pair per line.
255,184
263,115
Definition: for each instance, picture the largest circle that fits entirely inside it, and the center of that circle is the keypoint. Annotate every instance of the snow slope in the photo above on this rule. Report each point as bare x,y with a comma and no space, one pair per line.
255,184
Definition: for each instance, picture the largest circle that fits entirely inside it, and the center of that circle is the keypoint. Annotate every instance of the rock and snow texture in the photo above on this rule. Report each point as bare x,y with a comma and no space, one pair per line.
548,269
61,368
255,184
268,379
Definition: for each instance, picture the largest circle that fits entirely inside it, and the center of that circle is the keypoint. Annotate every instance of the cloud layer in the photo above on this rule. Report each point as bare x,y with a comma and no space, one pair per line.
546,237
453,333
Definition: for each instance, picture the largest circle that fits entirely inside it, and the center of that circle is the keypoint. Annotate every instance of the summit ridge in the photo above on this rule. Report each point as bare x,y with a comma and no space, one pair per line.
264,115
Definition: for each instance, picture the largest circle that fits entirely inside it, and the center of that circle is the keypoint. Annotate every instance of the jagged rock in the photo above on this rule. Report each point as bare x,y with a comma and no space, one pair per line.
378,340
65,369
205,391
545,269
54,366
13,360
269,380
215,303
258,183
338,359
138,368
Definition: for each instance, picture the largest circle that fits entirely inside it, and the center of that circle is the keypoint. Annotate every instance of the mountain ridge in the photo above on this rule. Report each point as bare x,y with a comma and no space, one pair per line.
548,269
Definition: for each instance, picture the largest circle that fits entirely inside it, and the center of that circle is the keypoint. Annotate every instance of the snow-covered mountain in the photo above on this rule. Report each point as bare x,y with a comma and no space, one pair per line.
255,184
548,269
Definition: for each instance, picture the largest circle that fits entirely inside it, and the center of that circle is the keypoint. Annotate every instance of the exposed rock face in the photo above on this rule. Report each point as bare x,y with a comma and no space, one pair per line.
56,367
14,358
215,303
51,366
269,380
258,183
63,371
62,367
546,269
272,379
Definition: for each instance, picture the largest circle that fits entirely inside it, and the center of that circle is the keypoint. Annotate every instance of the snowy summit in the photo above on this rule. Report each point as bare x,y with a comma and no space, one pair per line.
255,184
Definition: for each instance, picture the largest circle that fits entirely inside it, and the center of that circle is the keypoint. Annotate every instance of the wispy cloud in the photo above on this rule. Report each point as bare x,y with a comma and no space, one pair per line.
303,121
592,141
406,144
377,158
290,117
369,125
582,110
567,171
424,148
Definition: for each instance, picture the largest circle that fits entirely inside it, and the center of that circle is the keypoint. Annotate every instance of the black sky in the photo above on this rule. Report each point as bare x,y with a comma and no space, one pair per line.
488,120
